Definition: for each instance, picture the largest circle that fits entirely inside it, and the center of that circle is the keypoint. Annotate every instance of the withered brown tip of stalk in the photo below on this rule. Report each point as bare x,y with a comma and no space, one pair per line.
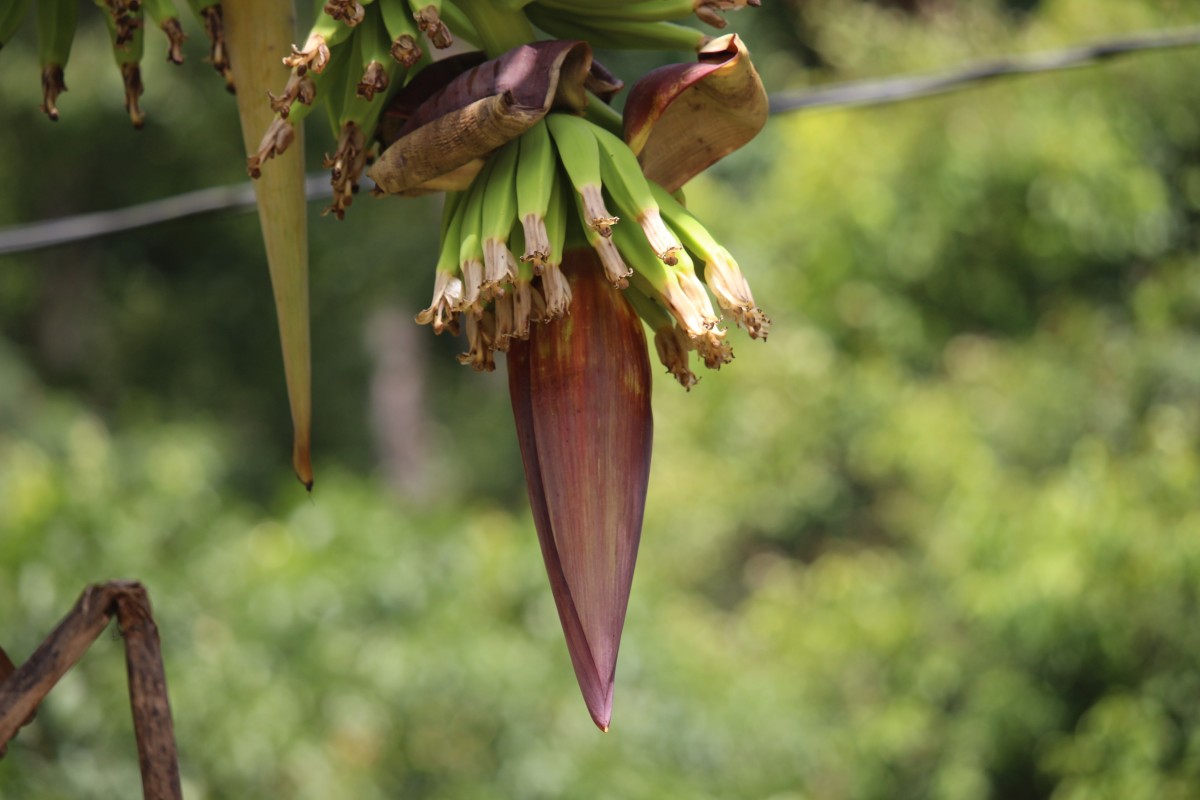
374,80
175,39
131,75
52,87
406,51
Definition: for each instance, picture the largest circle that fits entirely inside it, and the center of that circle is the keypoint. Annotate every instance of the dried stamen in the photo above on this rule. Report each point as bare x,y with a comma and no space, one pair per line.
300,88
537,242
280,134
406,51
350,12
598,216
556,290
447,294
430,23
374,81
314,55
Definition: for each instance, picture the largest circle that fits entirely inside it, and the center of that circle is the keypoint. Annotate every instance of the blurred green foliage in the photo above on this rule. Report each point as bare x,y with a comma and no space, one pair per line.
938,538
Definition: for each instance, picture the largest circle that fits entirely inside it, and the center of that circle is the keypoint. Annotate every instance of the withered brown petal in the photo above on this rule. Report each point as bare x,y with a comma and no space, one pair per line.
682,118
478,110
603,83
580,390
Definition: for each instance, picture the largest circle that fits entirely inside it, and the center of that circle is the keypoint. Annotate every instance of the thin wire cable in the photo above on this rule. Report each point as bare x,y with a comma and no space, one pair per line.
911,87
48,233
63,230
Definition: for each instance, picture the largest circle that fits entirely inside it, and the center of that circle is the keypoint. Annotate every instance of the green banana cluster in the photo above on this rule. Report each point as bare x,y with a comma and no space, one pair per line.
356,56
568,182
56,22
630,24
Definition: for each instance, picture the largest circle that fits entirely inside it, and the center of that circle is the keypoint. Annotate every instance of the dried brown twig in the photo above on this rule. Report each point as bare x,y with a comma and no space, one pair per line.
23,688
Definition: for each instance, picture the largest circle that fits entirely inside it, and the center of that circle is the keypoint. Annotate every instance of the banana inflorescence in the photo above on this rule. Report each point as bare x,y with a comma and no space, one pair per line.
504,238
56,23
359,53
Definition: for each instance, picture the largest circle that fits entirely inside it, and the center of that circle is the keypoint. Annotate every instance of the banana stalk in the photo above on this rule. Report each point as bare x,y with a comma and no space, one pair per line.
258,30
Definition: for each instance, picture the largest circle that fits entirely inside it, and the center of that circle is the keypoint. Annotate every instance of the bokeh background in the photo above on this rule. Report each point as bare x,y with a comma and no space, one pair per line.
938,538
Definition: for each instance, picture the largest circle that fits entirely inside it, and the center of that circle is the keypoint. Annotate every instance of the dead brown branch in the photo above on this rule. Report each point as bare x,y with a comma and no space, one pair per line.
23,688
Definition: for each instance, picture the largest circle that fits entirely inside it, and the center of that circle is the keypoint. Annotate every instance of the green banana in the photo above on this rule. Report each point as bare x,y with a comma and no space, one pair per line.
555,291
657,280
510,5
537,173
721,271
11,17
354,118
470,254
579,153
166,16
615,269
499,212
460,23
522,285
670,342
125,15
617,34
489,27
481,337
398,20
297,102
708,11
622,176
447,285
378,66
56,31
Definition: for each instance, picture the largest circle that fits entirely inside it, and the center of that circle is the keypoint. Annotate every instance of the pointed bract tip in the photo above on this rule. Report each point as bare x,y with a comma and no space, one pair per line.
601,712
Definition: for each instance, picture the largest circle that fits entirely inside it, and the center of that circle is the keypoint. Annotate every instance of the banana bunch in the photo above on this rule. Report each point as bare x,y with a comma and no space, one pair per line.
565,183
356,56
629,24
56,23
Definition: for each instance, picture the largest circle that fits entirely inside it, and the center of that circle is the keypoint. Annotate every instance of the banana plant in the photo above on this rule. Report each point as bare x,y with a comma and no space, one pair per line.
562,233
564,230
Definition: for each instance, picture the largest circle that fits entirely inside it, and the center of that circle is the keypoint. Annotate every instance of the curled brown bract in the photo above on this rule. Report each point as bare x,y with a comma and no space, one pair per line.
724,107
446,119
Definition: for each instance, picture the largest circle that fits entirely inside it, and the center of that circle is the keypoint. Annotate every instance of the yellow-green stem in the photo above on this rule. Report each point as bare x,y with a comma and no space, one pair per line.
257,32
499,30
